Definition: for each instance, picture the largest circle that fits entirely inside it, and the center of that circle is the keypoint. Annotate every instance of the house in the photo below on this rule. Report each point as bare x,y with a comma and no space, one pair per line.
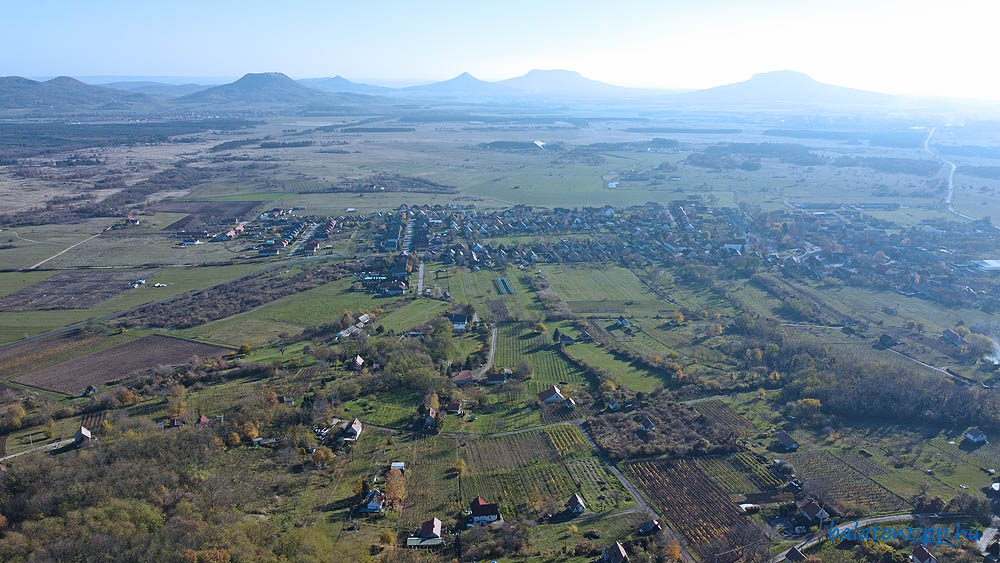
392,288
622,322
358,363
615,554
203,421
374,502
498,377
463,377
786,441
353,432
454,407
566,340
813,512
286,400
794,555
431,418
430,529
551,395
400,465
575,504
921,555
613,404
887,341
650,527
484,512
82,437
91,390
953,338
646,423
975,435
460,322
570,403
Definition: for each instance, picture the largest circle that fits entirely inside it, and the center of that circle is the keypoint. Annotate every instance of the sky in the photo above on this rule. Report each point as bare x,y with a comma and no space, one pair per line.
913,47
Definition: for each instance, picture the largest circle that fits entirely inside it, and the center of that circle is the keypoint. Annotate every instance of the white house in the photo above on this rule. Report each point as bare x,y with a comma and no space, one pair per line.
353,432
374,502
551,395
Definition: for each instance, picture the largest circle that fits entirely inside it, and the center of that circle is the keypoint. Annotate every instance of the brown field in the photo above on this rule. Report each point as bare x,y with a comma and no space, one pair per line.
701,511
205,212
72,290
719,414
29,355
116,363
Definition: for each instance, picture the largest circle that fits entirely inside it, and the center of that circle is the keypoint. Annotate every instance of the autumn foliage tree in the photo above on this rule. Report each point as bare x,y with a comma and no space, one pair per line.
395,490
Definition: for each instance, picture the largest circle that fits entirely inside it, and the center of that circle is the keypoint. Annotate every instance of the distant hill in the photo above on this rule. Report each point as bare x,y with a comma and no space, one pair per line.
66,95
267,89
157,88
340,84
782,89
564,83
462,86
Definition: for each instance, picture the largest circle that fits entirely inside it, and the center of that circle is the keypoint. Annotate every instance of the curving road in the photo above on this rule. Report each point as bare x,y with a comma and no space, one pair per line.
951,176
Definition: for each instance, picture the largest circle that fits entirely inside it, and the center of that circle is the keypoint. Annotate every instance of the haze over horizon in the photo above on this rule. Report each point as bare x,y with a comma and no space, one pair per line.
912,48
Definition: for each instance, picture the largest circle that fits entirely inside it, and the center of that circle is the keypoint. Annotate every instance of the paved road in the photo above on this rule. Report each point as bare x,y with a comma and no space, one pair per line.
493,350
44,447
420,280
63,251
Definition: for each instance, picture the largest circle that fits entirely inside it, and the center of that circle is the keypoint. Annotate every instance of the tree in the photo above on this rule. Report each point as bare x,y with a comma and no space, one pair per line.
244,349
250,430
555,336
395,490
541,328
387,537
348,318
460,466
980,345
50,428
674,550
177,404
433,401
233,440
322,456
524,368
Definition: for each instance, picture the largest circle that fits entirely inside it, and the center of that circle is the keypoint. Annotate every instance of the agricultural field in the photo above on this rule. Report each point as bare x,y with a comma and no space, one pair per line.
739,474
610,289
44,352
118,362
529,470
694,506
516,343
178,280
624,373
719,413
288,314
412,315
842,486
198,213
73,290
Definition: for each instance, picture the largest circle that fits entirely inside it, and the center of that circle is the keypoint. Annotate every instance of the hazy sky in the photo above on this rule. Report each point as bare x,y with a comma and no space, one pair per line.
918,47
